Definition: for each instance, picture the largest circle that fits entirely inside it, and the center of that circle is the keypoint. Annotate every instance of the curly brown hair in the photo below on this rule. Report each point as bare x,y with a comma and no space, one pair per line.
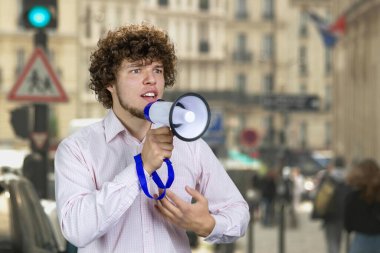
365,177
135,42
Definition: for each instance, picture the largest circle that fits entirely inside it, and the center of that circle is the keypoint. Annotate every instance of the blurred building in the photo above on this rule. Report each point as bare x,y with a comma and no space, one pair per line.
232,52
356,114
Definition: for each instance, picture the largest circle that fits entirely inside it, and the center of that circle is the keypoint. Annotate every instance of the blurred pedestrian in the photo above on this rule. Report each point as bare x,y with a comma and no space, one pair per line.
268,196
332,218
34,170
298,188
295,184
362,207
98,169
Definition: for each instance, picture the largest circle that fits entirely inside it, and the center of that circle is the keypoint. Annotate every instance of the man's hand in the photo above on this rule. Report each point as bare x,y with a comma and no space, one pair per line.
194,217
158,146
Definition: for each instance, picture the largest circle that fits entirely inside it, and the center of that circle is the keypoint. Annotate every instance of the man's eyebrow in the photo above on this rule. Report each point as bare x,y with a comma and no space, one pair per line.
139,64
132,65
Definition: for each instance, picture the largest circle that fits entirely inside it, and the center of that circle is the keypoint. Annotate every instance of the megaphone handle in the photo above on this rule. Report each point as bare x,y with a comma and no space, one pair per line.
155,176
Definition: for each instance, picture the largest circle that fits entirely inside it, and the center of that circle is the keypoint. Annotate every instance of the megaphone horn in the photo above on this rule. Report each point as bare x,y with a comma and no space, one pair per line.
188,116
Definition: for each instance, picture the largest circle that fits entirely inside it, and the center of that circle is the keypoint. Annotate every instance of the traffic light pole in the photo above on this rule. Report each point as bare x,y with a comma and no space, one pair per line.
40,148
38,15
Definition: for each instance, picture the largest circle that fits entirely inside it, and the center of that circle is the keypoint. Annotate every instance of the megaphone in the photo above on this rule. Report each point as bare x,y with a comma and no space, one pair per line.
188,116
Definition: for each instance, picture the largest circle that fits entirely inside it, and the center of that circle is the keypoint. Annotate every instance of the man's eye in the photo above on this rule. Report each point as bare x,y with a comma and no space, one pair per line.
135,71
159,71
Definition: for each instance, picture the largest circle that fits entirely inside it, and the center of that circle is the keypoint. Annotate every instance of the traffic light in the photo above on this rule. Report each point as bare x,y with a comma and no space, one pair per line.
39,14
20,120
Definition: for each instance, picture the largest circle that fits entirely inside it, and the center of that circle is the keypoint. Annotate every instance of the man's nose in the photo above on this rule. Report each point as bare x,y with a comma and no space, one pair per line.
149,78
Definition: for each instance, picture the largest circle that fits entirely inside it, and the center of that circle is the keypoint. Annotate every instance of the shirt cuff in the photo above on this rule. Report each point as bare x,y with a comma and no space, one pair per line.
217,232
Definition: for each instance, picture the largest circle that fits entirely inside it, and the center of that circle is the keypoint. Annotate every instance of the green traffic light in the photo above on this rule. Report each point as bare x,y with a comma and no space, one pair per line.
39,16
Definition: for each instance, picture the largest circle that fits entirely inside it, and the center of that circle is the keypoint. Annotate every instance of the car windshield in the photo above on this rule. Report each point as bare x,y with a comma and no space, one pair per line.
24,226
35,220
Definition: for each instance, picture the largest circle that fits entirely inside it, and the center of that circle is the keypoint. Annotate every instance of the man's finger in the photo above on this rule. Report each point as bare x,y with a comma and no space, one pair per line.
194,193
164,138
180,203
164,211
166,146
161,130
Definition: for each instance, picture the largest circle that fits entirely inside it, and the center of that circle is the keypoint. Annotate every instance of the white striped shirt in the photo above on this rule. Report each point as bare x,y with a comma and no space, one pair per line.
102,208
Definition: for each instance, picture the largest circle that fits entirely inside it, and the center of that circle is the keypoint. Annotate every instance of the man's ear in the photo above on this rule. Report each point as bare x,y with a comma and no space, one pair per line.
110,88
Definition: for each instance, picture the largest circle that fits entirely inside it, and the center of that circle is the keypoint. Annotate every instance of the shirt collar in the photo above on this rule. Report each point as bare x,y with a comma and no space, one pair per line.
112,126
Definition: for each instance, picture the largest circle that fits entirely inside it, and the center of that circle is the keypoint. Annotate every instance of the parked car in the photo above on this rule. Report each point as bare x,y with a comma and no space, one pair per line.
24,226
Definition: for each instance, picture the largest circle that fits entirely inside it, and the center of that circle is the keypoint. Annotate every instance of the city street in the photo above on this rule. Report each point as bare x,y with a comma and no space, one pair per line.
263,107
307,238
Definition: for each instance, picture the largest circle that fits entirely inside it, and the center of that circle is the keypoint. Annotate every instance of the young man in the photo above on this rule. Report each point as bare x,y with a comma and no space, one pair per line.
101,206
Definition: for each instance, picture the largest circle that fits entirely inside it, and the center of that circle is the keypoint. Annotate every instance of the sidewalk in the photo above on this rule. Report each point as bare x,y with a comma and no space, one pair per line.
307,238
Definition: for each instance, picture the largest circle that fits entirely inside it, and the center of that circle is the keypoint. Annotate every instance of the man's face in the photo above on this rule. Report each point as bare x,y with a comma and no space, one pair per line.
137,84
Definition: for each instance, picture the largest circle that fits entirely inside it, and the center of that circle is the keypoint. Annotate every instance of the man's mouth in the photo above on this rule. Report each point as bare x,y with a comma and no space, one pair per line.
150,96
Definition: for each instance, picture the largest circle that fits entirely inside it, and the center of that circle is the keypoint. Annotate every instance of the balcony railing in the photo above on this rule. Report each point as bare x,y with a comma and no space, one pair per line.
242,56
272,101
233,97
241,15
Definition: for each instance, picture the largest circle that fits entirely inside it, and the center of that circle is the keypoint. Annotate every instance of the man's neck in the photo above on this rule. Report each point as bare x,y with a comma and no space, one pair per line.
137,127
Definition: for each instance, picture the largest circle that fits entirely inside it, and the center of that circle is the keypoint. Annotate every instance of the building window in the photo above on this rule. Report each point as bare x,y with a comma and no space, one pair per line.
303,134
241,9
303,30
328,134
20,55
328,61
241,53
303,61
241,42
328,97
204,46
269,137
268,83
163,3
268,9
267,47
204,5
241,83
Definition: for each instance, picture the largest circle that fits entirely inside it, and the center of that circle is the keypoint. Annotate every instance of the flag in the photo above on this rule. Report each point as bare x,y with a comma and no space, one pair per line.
330,32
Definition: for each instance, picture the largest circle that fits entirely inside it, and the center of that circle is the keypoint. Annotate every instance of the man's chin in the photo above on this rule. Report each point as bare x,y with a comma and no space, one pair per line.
133,111
136,113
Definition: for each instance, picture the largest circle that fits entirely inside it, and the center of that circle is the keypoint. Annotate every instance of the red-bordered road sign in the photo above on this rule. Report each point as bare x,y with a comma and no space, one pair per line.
38,82
249,137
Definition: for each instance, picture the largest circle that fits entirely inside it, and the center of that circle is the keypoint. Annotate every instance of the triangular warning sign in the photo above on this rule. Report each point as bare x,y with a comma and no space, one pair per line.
38,82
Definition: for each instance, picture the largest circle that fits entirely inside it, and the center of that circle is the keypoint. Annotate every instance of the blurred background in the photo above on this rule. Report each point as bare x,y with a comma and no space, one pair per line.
290,84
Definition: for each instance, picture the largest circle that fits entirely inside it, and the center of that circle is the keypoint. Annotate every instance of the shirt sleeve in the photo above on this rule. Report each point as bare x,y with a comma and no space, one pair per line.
86,213
226,204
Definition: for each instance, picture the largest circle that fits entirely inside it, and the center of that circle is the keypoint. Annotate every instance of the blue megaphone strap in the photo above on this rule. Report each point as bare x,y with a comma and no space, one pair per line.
155,176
